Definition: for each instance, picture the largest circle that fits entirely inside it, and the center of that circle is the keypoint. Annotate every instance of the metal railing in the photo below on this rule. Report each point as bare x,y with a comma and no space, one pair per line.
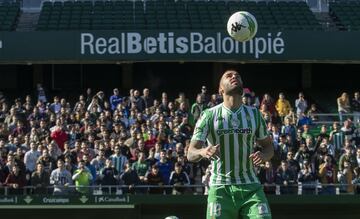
294,189
330,118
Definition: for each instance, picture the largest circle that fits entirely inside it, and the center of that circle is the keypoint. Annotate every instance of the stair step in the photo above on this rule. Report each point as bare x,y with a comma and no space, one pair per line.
27,21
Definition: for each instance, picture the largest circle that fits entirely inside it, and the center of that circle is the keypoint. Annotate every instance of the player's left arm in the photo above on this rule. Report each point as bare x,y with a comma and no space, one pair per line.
266,153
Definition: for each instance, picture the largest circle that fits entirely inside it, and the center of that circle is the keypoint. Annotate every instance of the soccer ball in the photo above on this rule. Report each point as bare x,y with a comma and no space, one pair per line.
171,217
242,26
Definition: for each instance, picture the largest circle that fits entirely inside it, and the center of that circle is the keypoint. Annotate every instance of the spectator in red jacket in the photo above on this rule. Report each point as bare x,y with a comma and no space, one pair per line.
59,136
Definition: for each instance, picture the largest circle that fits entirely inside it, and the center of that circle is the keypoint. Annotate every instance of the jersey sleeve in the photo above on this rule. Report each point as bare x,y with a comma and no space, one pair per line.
261,129
202,127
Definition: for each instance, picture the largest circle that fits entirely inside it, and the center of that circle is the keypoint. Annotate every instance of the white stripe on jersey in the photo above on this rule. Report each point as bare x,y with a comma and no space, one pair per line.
226,147
245,152
253,127
237,155
218,163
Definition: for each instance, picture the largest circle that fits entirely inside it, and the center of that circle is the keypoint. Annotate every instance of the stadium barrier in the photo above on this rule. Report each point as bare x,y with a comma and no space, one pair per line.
330,118
315,188
160,206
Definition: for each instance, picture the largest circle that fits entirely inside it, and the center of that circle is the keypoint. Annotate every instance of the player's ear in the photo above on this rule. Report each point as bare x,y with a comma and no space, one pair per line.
221,91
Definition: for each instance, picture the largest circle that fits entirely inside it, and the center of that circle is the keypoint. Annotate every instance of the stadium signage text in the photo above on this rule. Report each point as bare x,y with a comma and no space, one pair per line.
8,200
55,200
171,43
109,199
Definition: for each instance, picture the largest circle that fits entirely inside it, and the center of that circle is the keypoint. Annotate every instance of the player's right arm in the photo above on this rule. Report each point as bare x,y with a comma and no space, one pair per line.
197,152
197,149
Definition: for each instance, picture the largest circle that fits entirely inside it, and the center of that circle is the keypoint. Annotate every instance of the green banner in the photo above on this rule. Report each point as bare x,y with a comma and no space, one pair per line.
35,201
117,46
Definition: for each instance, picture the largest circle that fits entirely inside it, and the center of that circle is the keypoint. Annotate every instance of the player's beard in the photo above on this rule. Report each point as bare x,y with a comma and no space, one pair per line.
237,90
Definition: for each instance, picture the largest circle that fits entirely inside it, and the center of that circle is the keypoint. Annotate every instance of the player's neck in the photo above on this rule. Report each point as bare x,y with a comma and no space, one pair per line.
232,102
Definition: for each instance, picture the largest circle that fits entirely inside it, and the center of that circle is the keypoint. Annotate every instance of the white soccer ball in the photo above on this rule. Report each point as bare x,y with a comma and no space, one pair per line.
171,217
242,26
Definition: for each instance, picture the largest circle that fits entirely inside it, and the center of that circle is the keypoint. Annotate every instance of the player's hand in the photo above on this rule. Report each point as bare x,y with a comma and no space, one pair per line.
211,152
257,157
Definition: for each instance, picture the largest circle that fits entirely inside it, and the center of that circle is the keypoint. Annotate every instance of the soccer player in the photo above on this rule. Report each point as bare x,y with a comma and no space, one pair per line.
231,130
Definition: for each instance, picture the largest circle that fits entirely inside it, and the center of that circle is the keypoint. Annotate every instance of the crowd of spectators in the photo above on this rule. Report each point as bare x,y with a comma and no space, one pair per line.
140,143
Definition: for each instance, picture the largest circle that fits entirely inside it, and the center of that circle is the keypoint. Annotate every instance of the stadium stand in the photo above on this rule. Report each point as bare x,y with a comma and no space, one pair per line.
347,13
9,14
171,15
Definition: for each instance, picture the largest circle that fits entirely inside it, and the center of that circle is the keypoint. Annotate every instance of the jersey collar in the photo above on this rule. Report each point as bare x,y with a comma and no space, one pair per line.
230,111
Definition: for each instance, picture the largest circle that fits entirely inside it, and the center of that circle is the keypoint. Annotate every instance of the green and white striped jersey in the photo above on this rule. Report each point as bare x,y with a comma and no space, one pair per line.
236,133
